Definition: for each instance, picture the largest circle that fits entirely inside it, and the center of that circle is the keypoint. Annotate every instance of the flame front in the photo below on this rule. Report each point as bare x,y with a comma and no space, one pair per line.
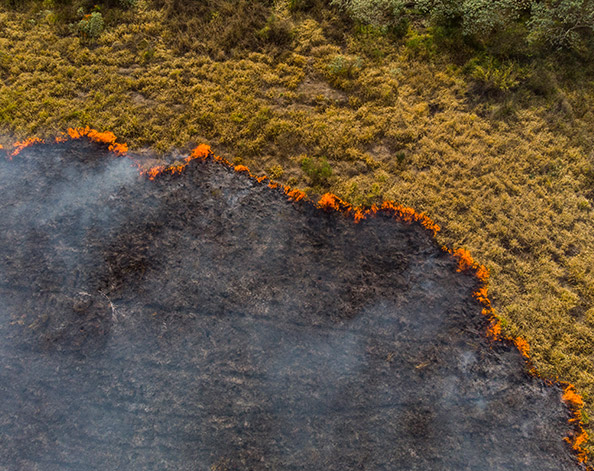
494,331
19,146
108,138
576,403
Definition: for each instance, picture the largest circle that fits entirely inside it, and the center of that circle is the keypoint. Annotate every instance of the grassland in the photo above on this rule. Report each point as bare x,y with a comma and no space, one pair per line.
508,174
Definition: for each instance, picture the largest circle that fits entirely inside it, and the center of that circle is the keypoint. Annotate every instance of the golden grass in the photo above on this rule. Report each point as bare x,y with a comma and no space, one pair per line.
505,181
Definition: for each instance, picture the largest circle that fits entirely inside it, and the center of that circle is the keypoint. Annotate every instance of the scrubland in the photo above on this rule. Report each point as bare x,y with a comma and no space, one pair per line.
499,153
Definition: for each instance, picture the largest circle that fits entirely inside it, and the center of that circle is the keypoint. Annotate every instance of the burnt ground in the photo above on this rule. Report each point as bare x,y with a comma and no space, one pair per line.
204,322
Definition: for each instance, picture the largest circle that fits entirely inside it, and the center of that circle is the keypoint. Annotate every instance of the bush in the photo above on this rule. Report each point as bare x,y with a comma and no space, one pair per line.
317,169
301,5
475,18
379,13
91,26
218,27
341,70
127,3
562,23
493,75
343,67
278,30
558,23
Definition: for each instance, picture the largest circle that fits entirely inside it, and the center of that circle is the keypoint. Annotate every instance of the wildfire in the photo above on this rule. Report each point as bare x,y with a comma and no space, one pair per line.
494,332
329,203
576,403
242,168
198,153
74,133
19,146
106,137
572,398
523,346
294,195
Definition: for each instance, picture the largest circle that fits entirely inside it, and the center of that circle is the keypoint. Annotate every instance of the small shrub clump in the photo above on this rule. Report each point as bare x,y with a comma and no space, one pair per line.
379,13
317,169
494,76
341,69
91,25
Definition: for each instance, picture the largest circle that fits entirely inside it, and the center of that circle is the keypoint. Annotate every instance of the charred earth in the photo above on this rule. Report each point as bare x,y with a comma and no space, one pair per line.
202,321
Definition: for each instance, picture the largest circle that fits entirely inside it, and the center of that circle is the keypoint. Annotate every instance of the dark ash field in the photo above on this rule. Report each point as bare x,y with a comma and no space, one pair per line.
202,321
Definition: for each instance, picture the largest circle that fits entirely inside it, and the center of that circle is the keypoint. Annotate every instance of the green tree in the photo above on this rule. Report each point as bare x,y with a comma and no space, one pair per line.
562,23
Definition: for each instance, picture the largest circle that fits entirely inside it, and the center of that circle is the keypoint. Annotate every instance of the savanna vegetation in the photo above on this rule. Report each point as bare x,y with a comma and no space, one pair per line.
480,113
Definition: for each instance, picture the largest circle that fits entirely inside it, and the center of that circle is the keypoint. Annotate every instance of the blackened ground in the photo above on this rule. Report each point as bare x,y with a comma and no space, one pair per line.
204,322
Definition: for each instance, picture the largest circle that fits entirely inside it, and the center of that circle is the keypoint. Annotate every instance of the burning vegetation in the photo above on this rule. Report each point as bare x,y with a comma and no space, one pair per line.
290,334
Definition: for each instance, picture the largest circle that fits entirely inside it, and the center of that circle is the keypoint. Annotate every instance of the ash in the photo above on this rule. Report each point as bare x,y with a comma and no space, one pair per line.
204,322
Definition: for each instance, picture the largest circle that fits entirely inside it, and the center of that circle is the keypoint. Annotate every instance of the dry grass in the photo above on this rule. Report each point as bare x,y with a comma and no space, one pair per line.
508,181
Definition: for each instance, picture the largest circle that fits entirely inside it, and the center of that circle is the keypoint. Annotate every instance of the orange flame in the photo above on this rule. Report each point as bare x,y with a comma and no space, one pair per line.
242,168
523,346
572,397
494,331
576,403
330,202
465,260
75,133
106,137
295,195
198,153
19,146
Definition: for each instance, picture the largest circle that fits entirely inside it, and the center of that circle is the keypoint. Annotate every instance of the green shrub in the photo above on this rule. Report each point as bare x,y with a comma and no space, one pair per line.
278,30
217,27
421,44
343,67
379,13
5,60
565,24
301,5
562,23
317,169
91,25
275,172
128,3
493,75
